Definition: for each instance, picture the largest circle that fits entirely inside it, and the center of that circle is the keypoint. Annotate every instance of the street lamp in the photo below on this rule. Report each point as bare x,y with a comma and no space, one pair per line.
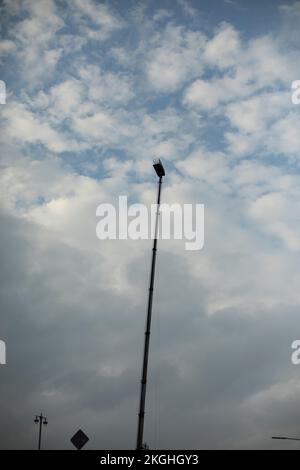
159,169
42,421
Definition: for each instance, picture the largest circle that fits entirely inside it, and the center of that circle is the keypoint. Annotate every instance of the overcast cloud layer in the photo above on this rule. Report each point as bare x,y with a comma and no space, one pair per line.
95,90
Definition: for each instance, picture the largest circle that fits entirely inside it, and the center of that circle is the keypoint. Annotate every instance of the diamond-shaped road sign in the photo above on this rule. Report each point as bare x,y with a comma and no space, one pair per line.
79,439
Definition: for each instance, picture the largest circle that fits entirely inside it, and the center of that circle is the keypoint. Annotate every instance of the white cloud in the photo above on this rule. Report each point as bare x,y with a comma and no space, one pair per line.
64,99
265,122
100,15
107,87
24,126
283,137
279,216
252,68
41,21
224,49
203,94
121,56
212,167
187,8
256,114
175,58
161,14
37,58
6,47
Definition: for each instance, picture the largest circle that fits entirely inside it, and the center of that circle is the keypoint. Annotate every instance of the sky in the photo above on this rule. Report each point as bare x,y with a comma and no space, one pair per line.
94,91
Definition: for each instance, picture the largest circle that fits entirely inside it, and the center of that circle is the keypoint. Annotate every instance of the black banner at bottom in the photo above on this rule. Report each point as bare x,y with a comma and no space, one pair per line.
135,459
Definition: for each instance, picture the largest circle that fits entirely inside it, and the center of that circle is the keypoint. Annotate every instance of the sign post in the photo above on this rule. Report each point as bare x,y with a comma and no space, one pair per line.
79,439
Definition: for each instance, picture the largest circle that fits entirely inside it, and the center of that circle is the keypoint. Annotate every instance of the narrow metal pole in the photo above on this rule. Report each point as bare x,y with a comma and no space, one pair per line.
40,431
286,438
140,432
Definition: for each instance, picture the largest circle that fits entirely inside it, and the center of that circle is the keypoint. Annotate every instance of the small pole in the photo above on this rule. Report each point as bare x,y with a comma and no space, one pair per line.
40,431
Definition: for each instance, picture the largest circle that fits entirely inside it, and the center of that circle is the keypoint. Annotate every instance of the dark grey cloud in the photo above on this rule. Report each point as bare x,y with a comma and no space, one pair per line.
74,352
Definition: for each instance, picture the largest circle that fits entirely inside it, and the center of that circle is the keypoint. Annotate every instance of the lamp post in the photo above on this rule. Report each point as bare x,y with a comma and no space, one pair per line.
158,167
42,421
